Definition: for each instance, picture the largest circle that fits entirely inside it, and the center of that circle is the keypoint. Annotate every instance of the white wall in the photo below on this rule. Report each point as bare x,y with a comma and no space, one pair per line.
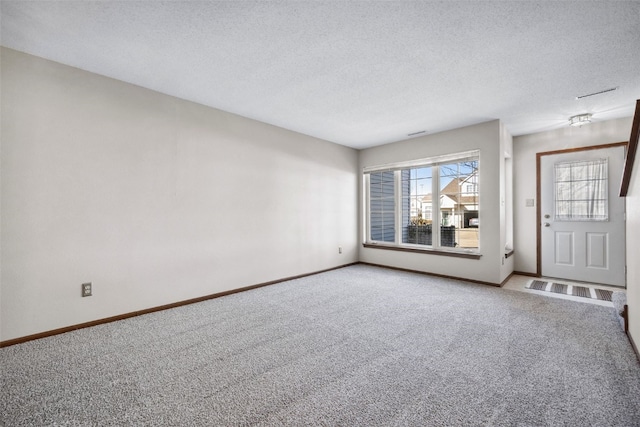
633,252
524,165
485,137
152,199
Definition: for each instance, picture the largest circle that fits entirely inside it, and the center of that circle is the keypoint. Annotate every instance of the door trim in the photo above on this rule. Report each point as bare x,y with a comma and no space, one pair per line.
539,192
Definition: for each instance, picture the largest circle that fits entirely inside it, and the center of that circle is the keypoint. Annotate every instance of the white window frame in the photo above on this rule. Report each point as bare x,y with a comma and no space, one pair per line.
434,163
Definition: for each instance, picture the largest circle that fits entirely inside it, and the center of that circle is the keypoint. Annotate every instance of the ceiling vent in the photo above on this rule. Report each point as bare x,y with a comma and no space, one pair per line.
597,93
417,133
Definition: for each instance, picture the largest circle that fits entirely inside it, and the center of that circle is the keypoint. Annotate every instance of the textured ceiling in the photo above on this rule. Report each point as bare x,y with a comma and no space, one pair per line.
355,73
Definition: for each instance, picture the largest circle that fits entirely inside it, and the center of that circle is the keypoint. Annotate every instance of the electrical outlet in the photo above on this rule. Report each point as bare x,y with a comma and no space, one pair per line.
339,249
86,289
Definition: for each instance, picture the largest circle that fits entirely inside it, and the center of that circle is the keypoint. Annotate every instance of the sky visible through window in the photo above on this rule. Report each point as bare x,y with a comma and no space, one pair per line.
421,177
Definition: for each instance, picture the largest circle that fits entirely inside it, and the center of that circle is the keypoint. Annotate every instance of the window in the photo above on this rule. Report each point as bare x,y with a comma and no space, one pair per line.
429,203
581,191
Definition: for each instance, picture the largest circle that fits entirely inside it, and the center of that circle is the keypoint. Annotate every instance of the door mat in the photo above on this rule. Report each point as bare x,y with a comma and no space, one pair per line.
577,291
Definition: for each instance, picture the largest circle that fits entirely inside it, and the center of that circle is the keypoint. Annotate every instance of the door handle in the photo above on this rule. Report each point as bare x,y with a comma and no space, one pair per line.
546,224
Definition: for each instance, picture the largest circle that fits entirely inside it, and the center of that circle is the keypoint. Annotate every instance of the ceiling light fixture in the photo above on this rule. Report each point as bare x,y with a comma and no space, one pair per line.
580,119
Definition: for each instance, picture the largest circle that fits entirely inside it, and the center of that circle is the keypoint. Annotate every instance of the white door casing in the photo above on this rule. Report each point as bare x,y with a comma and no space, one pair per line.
583,250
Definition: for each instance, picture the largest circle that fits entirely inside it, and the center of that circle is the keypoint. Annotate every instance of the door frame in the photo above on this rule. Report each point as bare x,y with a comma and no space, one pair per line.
539,192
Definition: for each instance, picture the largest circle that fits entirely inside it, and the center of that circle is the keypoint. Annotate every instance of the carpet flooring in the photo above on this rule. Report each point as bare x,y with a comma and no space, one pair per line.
575,290
357,346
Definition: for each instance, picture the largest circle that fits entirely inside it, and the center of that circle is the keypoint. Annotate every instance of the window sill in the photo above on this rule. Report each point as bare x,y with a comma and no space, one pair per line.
423,251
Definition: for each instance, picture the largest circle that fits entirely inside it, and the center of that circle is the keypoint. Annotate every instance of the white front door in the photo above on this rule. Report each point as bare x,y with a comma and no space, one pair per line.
582,217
